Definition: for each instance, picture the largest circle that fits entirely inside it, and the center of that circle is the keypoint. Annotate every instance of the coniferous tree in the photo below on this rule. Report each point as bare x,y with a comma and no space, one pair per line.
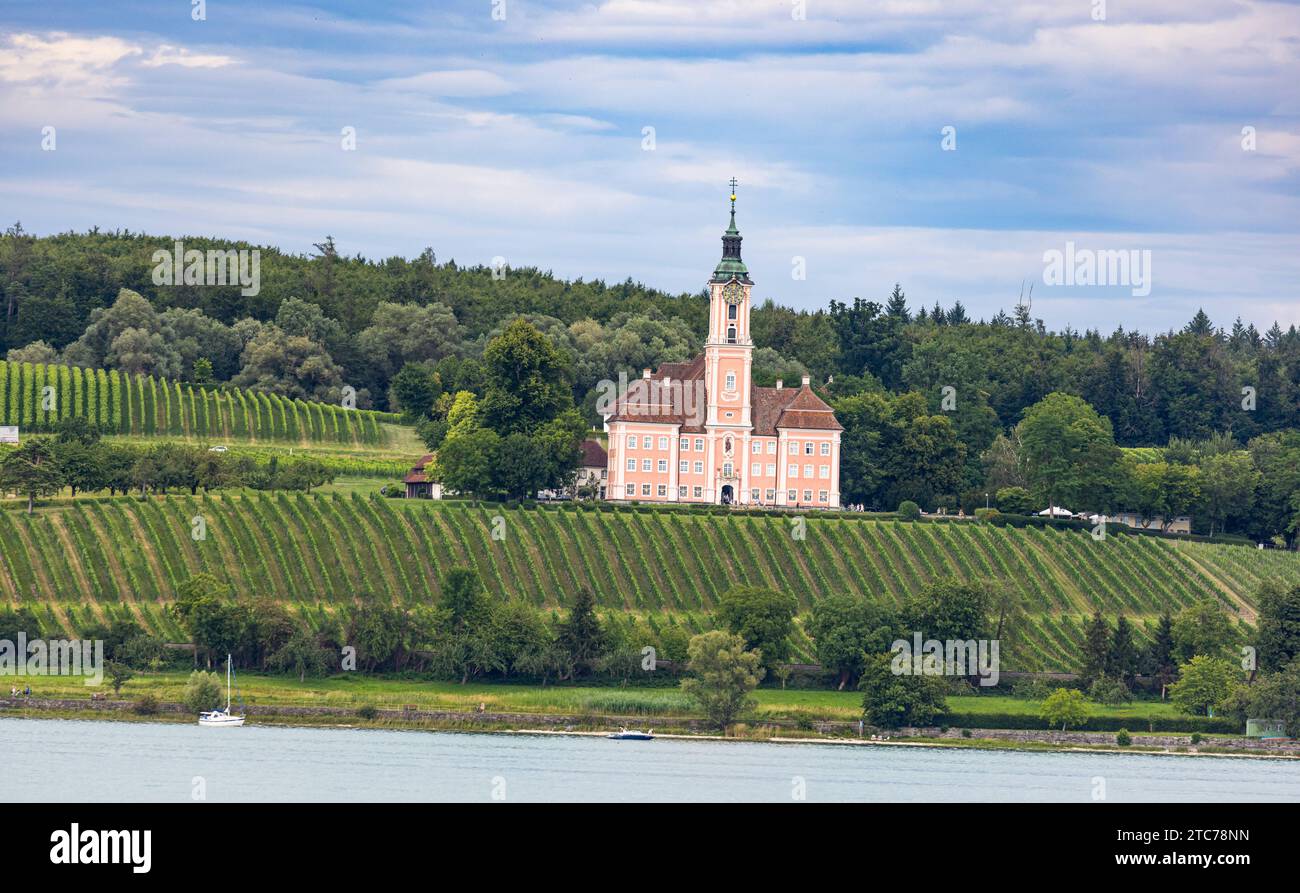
1200,324
1160,656
1122,662
580,634
1096,649
897,305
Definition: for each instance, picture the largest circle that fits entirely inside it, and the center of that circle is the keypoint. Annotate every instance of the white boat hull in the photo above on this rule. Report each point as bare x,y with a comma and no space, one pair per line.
221,720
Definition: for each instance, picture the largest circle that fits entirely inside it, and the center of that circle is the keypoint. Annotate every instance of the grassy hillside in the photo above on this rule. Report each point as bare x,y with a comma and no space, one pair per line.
97,558
149,407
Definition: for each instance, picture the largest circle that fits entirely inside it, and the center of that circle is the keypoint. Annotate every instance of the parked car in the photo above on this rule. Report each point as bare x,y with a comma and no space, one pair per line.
218,449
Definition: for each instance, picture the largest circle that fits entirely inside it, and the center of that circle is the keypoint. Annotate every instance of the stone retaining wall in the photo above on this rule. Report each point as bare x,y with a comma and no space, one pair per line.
528,720
1066,738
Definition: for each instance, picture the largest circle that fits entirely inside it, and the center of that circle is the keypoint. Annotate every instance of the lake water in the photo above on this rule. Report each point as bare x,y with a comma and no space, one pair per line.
89,761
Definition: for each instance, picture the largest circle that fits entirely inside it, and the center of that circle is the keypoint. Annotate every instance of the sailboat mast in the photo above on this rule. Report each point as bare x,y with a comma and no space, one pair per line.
227,683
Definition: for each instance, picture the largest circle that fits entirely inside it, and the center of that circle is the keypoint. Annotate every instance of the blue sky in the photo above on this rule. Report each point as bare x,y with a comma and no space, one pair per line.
523,138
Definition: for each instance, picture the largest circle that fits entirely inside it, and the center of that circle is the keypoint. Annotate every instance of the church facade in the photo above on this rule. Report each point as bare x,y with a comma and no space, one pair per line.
701,432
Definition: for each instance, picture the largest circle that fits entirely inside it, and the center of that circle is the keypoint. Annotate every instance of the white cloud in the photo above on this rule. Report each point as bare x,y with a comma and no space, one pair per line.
63,60
525,140
170,55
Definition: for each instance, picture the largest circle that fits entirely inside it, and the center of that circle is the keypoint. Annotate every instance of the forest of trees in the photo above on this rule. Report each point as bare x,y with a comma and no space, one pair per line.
936,405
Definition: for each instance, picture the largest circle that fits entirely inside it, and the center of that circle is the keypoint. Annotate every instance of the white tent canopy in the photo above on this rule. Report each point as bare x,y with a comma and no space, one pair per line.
1057,512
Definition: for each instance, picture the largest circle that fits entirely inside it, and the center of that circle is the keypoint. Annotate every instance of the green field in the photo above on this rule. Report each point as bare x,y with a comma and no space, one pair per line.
149,407
355,690
99,558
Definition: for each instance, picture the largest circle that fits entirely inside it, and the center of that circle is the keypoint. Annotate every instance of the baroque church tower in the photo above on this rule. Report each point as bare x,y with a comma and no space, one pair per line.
729,349
736,444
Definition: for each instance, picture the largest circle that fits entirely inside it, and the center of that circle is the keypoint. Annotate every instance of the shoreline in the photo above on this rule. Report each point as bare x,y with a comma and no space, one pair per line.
331,718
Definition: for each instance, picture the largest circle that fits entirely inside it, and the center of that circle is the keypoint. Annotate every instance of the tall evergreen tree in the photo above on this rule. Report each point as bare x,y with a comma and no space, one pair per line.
1122,662
580,634
1200,324
1096,649
1160,655
897,304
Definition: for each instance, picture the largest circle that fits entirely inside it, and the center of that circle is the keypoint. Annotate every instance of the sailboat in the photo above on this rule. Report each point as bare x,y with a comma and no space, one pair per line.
223,717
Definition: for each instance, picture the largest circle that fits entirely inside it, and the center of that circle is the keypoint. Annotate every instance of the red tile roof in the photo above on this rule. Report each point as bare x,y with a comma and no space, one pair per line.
773,408
768,404
417,475
808,411
593,455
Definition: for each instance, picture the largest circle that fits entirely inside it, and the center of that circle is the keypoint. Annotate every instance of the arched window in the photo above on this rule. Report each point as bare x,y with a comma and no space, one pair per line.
731,334
731,311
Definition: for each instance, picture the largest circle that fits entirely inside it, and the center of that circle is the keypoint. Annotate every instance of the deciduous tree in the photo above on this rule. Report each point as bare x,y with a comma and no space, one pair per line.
723,675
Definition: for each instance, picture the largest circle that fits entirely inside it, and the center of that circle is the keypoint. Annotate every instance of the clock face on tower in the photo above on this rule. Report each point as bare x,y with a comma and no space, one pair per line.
733,292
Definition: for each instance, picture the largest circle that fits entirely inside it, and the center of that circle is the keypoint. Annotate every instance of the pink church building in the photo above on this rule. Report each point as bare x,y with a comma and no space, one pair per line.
701,432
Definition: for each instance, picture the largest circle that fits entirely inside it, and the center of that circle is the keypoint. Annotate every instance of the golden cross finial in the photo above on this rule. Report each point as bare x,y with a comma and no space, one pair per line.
733,194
